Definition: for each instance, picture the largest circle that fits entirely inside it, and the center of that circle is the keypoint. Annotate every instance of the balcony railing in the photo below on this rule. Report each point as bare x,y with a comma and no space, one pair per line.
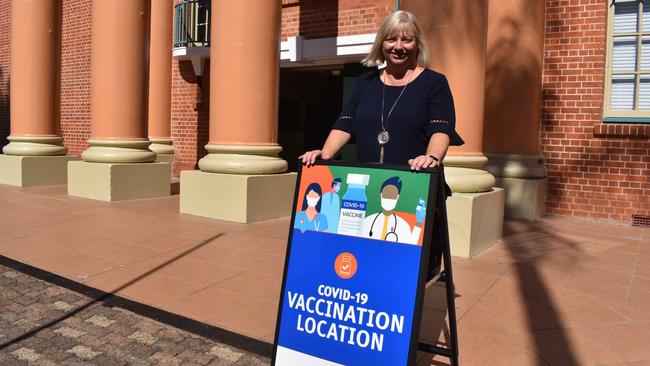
192,23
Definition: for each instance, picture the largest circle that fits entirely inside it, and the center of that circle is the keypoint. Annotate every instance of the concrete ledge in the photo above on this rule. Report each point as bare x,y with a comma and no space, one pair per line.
236,197
26,171
525,198
475,221
165,158
116,182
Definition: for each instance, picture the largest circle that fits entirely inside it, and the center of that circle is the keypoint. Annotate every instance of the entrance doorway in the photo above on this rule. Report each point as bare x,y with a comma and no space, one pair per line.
310,103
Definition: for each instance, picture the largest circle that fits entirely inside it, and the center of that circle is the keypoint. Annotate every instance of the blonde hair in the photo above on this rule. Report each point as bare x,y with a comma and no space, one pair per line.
396,23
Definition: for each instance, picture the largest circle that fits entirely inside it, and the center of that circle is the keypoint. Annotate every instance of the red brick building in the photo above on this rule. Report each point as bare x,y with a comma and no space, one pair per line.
596,169
597,157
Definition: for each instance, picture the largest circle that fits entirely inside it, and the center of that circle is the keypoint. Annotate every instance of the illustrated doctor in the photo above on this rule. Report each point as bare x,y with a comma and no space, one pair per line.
386,225
331,206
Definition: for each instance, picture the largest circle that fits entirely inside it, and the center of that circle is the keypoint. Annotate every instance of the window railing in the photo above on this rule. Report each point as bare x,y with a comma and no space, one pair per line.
192,23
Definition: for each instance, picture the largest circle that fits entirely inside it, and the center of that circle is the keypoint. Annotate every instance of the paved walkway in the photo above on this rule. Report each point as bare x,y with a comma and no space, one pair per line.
45,324
554,292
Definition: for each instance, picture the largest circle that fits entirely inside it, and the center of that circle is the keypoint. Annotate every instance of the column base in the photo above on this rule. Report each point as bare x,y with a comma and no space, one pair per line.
475,221
118,151
236,197
524,178
26,171
161,146
525,198
464,174
116,182
166,158
35,146
243,159
468,180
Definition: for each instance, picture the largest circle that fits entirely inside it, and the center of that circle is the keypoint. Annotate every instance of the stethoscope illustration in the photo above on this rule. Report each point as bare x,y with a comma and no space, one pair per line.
392,230
317,219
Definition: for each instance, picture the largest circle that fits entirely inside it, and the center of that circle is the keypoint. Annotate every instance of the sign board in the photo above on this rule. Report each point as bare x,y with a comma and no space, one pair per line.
354,273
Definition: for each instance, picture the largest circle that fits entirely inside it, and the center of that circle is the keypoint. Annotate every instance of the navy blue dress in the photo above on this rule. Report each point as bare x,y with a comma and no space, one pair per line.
425,108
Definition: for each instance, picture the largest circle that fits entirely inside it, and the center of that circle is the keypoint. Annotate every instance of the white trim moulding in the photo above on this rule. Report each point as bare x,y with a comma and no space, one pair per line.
195,54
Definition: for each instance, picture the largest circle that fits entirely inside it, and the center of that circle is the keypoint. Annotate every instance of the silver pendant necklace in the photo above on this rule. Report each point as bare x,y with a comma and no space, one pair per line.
383,136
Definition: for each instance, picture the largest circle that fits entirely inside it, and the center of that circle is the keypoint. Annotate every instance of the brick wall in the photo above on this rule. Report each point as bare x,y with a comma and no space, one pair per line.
190,114
595,170
318,18
75,75
5,45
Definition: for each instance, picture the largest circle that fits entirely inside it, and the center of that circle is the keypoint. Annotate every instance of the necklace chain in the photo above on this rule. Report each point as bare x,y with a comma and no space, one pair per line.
383,93
383,137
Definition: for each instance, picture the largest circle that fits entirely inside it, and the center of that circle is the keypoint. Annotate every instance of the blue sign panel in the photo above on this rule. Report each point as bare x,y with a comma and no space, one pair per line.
350,293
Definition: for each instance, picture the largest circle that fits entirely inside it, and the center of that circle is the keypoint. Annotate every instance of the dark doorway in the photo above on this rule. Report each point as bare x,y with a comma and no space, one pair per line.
310,102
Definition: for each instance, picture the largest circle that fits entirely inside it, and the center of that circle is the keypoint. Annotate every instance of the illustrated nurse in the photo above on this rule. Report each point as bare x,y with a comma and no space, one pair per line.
310,218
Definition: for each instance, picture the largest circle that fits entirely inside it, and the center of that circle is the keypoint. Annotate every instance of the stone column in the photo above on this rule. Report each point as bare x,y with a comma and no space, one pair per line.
242,161
160,79
456,33
513,94
117,72
244,88
35,154
118,110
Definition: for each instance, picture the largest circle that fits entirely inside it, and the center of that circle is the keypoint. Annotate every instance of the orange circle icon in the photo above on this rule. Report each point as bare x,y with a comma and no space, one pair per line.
345,265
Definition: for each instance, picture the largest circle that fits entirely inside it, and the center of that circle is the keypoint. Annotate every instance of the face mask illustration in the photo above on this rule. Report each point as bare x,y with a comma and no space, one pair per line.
388,204
312,201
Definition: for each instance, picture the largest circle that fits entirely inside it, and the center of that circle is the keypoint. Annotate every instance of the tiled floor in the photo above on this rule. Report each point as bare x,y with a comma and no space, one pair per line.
554,292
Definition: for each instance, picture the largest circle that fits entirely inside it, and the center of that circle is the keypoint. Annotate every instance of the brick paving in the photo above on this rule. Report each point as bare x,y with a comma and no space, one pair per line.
92,333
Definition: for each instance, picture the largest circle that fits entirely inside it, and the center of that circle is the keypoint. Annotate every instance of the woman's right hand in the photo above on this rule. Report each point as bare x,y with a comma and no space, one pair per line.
332,146
309,158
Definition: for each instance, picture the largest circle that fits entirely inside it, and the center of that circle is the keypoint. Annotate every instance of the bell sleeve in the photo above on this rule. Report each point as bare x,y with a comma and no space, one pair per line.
442,115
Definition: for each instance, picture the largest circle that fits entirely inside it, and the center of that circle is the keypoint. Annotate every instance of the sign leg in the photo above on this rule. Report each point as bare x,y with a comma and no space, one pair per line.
440,247
448,277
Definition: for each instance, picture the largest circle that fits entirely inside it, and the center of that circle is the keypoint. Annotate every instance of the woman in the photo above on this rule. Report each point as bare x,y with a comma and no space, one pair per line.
403,113
310,217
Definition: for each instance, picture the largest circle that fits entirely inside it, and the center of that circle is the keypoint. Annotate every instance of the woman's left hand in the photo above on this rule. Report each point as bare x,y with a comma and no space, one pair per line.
422,162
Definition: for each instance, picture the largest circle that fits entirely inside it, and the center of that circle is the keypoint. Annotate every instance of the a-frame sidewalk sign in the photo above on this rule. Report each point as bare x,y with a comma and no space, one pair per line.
356,266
